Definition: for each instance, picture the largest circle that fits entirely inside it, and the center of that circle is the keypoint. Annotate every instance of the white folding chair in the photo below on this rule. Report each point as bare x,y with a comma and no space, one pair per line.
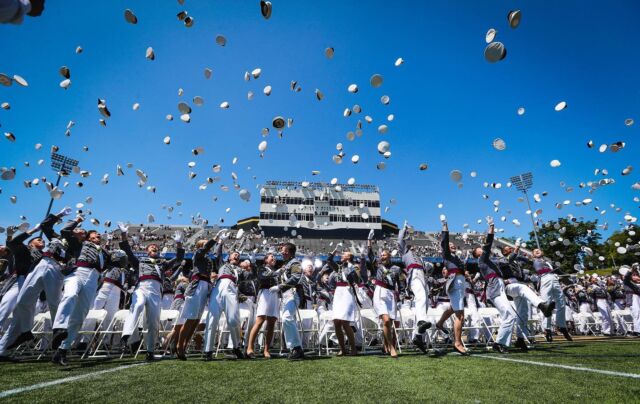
41,335
371,329
309,335
98,316
490,317
326,320
114,328
166,318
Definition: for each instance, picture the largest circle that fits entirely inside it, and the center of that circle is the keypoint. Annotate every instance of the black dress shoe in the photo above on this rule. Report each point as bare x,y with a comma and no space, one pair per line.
22,338
250,355
521,343
547,308
182,356
150,357
499,348
207,356
418,341
296,353
566,334
60,357
8,359
59,335
423,326
548,335
238,353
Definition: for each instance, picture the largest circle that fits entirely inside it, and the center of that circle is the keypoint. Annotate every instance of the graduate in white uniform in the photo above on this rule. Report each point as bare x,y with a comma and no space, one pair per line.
224,299
631,281
344,280
268,309
46,276
292,294
387,280
598,292
453,272
417,272
551,291
196,294
80,288
147,294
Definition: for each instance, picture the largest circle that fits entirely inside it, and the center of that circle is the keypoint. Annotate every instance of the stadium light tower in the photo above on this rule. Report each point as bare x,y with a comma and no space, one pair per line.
524,182
62,165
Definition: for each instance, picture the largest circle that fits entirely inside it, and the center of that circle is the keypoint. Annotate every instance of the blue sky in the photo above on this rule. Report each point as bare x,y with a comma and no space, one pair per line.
448,102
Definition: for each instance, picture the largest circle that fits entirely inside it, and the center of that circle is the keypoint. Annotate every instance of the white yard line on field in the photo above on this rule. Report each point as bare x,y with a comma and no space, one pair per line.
19,390
557,365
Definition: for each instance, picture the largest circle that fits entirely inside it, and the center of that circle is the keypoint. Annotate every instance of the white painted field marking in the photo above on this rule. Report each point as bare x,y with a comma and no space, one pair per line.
556,365
19,390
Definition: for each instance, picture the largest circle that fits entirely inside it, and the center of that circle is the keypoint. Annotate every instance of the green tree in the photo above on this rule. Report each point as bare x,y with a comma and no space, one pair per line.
563,240
629,239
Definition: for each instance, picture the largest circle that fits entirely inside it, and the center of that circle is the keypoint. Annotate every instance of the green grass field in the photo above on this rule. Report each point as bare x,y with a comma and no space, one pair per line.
372,378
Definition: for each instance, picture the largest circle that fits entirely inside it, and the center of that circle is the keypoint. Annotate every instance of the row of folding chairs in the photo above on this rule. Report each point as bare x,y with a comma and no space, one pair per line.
315,329
621,321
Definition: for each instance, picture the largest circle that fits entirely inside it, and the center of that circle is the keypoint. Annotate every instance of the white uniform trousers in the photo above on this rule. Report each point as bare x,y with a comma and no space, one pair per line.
635,312
167,299
550,290
325,326
80,289
108,299
290,302
507,316
45,276
621,326
9,301
585,313
420,292
605,312
224,297
250,306
523,297
148,297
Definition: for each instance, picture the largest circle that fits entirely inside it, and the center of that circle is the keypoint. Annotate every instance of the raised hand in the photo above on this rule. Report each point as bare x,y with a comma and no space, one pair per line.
123,227
177,236
65,212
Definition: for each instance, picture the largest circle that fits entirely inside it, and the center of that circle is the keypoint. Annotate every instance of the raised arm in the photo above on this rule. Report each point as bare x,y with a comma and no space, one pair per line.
402,244
126,247
486,248
177,237
364,270
444,243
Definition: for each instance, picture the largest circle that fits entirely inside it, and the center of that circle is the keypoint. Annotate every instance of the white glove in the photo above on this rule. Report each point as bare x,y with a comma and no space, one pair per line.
274,289
123,227
443,219
371,234
219,233
406,224
518,241
66,211
177,236
489,220
224,236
